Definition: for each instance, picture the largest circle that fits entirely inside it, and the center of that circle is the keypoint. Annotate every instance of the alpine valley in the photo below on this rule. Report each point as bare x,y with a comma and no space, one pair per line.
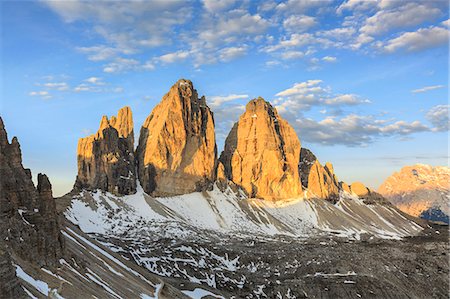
173,218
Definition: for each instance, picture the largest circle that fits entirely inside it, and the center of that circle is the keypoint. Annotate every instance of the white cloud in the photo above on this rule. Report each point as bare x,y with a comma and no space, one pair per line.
42,93
174,57
329,59
356,5
294,40
95,80
345,99
407,15
423,38
220,31
216,6
439,116
101,53
310,86
120,65
229,27
299,23
446,23
304,95
427,88
61,86
231,53
301,6
340,33
216,101
271,63
127,25
292,55
353,129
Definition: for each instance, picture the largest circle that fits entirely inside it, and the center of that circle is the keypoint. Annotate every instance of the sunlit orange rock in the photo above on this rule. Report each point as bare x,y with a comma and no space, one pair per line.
262,152
177,151
106,159
417,188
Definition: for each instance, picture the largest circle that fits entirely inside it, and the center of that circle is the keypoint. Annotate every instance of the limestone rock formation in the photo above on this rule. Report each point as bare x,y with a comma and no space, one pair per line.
106,159
261,154
359,189
177,151
319,180
28,217
420,190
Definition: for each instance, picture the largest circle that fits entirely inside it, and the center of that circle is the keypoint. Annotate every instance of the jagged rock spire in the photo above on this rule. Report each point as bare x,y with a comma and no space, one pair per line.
177,148
28,218
106,159
261,153
317,179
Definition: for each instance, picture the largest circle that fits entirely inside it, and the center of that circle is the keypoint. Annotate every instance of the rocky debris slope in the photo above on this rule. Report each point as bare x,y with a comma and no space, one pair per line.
244,246
261,154
106,159
88,268
177,151
420,190
232,214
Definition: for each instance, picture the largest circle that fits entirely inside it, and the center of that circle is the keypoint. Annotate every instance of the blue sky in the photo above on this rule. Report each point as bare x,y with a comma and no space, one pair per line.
364,83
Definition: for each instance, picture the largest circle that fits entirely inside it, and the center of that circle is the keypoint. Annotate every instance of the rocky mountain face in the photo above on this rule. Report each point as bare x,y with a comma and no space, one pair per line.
106,159
177,151
261,154
177,154
319,180
28,214
420,190
29,225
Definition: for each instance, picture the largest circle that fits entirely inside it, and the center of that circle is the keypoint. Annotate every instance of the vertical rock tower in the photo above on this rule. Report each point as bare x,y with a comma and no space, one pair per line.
106,159
28,219
262,152
177,151
319,180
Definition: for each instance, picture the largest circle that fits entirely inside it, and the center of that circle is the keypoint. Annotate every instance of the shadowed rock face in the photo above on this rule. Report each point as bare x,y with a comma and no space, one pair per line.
106,159
28,218
261,153
319,180
177,151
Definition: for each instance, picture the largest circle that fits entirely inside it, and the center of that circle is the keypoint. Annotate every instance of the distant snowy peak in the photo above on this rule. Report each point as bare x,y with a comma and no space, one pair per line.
420,190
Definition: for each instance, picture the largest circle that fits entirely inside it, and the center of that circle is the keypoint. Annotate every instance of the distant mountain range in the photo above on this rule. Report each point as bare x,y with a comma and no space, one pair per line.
420,190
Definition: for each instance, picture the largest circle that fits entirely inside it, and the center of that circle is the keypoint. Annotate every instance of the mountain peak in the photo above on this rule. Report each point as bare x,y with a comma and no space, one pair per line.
177,148
106,159
419,188
261,153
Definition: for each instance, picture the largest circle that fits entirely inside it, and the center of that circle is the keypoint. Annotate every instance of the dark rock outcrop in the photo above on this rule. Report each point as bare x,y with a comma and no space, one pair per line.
177,151
9,283
106,159
28,218
261,154
319,180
